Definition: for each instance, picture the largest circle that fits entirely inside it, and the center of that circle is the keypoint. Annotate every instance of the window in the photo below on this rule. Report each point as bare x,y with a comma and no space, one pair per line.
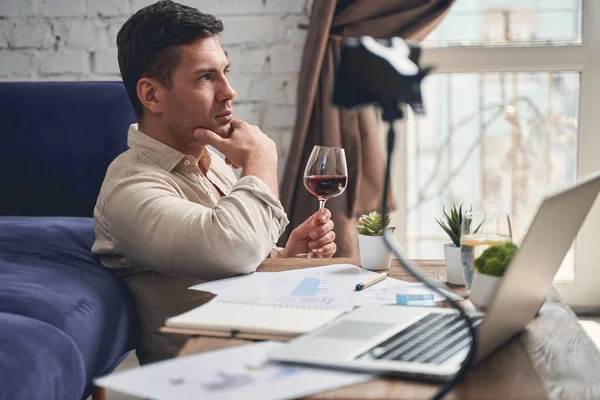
510,22
510,118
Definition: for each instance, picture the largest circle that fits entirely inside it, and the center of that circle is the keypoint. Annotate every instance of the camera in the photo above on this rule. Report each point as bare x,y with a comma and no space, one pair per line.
380,71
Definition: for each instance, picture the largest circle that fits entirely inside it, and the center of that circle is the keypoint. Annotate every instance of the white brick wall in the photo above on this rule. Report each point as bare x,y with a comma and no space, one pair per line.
81,34
4,34
15,63
105,62
30,33
75,40
63,61
61,8
17,8
107,8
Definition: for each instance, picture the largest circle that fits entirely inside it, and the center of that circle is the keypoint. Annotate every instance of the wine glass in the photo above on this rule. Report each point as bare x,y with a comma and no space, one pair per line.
479,231
326,173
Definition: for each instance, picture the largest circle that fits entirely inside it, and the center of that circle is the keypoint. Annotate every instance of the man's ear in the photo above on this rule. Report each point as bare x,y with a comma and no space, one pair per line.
150,94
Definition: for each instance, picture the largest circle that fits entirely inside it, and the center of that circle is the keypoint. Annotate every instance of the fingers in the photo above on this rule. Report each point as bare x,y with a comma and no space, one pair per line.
322,216
304,229
208,137
327,250
321,230
315,235
237,123
322,241
319,218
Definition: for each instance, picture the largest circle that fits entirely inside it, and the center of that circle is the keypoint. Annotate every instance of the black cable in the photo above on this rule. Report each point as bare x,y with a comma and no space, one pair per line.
390,115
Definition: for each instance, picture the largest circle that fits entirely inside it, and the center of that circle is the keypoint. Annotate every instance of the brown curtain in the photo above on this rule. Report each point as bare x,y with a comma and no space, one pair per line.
318,122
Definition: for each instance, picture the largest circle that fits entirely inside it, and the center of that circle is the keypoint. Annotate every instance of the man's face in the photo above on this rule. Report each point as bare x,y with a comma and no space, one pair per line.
199,94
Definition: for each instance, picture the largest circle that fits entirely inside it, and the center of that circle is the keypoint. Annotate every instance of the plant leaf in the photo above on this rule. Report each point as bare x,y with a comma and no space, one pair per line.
450,233
452,222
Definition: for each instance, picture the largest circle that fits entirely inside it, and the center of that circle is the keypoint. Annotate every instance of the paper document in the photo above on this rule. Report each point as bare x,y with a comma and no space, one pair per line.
234,373
331,286
218,286
275,305
385,292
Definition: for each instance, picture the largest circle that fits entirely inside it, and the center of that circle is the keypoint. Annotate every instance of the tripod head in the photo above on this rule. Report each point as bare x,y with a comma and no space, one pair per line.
385,72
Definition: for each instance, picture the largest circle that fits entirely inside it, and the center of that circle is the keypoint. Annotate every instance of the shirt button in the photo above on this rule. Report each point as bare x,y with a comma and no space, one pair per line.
187,162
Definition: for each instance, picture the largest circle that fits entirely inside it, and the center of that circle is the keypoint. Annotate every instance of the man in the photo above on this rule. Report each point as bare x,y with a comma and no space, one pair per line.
170,213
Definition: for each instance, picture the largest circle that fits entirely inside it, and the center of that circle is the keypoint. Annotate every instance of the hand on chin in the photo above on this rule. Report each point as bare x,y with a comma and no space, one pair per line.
223,130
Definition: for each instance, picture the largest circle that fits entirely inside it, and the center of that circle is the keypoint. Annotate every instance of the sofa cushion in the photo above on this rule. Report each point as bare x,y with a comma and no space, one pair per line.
58,139
48,273
38,361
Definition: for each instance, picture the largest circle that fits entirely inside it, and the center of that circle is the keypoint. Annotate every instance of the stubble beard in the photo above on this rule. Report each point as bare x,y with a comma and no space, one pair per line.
182,128
225,130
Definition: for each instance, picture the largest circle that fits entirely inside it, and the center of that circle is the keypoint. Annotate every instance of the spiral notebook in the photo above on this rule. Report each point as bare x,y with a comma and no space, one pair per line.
277,306
250,321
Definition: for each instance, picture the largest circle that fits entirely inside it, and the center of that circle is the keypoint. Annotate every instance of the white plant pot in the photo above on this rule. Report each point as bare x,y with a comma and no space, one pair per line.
454,268
483,289
374,254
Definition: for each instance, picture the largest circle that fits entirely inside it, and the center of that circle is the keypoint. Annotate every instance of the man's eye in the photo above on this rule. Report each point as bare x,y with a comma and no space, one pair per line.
227,71
205,77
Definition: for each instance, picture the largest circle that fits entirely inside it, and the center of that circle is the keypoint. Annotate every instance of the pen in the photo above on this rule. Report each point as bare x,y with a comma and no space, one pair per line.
372,281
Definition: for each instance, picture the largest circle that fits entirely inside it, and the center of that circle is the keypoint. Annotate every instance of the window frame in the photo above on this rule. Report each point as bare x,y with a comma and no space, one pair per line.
582,293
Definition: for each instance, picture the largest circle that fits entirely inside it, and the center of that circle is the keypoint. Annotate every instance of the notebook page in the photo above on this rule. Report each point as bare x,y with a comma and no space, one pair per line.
253,318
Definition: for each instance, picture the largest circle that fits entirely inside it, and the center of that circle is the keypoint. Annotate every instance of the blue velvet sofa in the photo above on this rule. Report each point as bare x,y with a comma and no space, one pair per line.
64,318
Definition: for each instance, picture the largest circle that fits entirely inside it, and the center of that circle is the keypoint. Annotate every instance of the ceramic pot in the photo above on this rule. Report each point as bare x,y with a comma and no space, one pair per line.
374,254
483,289
454,268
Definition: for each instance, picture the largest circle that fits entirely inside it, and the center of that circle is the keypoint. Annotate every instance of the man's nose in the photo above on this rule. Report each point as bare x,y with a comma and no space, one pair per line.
226,93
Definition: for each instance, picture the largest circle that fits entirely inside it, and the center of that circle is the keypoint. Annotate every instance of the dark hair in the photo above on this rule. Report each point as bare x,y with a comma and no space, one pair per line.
147,42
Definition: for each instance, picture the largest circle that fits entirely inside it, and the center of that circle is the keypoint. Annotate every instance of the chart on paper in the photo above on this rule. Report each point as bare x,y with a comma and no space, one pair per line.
290,291
311,291
331,287
309,287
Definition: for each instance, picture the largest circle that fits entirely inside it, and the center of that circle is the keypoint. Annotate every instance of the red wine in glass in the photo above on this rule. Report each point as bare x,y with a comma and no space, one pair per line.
326,173
326,185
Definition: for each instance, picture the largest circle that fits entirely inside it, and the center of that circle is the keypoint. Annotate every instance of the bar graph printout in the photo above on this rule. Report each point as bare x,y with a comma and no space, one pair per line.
322,287
331,286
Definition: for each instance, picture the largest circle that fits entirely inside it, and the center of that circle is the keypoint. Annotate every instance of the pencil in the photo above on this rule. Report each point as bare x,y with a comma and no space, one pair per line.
372,281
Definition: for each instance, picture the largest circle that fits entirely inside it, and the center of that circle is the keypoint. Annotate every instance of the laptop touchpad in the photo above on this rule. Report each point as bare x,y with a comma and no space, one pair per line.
355,330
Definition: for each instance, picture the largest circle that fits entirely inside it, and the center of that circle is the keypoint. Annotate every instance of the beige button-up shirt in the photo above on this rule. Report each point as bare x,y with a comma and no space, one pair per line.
156,211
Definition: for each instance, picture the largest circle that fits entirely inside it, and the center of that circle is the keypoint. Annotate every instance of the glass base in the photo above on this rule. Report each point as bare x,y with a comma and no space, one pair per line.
311,254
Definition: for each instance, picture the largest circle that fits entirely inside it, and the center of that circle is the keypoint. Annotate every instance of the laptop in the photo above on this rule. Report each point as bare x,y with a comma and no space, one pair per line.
431,343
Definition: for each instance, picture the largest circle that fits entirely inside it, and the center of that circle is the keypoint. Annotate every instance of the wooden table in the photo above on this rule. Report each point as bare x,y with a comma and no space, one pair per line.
552,358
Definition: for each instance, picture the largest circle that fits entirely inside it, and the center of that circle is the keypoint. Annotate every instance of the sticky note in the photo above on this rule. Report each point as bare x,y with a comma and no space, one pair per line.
415,300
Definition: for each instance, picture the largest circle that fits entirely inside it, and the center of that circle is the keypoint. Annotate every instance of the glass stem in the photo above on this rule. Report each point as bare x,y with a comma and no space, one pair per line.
322,203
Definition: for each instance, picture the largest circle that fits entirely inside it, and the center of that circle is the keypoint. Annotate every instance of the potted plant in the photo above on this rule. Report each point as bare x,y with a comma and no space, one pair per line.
489,268
374,253
451,224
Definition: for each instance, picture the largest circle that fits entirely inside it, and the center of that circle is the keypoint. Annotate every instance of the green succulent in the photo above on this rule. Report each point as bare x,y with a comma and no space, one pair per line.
373,225
494,260
451,223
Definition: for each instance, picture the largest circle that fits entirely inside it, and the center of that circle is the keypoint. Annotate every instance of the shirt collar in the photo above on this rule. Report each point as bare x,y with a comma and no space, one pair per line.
160,153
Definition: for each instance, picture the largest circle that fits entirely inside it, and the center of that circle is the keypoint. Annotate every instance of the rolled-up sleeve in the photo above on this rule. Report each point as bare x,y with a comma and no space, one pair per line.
155,228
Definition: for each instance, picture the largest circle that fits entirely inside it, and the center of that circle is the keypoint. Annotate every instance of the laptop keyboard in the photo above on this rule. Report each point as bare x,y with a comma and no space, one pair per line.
431,340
